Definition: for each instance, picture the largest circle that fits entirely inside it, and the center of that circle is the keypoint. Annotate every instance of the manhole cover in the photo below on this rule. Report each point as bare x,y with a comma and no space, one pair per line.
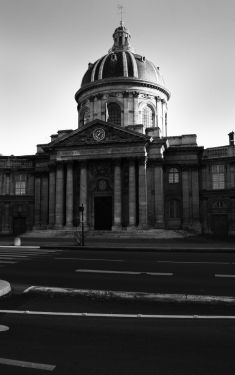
3,328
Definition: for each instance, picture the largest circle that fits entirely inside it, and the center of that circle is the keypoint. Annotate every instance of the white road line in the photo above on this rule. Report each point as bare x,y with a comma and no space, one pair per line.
224,275
7,262
39,366
125,272
92,259
188,262
107,315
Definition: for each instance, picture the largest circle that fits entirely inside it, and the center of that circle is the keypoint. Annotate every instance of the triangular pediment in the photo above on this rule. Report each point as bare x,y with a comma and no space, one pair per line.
99,132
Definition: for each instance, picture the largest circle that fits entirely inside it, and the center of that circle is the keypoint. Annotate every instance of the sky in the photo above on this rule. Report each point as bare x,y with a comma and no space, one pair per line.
46,46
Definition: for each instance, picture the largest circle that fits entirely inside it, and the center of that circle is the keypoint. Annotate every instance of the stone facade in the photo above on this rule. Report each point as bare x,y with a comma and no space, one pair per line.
119,164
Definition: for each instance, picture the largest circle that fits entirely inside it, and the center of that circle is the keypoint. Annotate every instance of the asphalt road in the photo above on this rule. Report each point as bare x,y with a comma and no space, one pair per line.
161,272
116,346
179,339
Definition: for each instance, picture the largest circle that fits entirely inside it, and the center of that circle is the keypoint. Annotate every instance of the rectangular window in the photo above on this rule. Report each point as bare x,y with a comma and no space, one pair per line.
218,176
20,185
20,188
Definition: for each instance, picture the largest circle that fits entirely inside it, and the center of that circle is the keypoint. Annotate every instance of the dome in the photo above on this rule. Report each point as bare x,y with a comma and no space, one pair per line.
122,62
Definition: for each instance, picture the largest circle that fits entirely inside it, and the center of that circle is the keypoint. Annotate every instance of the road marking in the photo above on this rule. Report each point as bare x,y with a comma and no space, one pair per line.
39,366
191,262
107,315
125,272
7,262
224,275
92,259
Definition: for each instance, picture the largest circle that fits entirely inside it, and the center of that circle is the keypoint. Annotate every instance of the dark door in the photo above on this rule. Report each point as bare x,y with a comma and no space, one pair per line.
103,213
220,225
19,225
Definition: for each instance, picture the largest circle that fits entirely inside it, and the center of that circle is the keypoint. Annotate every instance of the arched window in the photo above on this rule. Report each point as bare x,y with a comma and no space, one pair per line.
148,117
85,117
173,176
114,113
173,209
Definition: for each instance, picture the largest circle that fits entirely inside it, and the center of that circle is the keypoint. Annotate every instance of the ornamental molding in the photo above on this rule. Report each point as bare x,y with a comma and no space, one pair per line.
125,81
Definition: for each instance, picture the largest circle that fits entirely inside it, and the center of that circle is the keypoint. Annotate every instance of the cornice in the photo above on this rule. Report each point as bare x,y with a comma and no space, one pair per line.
126,81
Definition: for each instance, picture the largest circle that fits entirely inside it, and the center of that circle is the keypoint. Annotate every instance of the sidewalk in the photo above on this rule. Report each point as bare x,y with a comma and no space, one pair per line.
197,243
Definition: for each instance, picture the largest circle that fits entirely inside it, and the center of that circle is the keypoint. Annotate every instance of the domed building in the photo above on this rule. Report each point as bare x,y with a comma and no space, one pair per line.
119,170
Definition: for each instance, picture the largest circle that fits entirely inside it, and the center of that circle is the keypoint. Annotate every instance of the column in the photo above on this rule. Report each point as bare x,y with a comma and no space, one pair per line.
117,197
142,195
132,195
59,205
6,218
125,108
135,108
52,198
69,196
195,200
37,202
159,196
83,190
159,112
186,198
44,201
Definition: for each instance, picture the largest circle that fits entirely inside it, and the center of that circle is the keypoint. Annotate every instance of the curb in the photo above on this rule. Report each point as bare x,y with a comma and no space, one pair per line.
131,296
143,249
5,288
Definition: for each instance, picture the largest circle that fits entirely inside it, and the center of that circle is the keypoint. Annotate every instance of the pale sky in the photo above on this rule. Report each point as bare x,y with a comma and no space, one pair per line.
46,46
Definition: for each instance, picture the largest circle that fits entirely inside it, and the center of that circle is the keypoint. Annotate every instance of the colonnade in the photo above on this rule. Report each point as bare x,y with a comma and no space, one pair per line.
54,195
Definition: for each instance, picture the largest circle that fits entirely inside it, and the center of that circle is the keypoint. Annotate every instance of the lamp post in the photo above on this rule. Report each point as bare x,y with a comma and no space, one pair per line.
81,209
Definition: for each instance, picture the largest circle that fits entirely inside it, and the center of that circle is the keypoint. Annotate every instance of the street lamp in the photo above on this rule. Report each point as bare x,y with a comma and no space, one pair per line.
81,209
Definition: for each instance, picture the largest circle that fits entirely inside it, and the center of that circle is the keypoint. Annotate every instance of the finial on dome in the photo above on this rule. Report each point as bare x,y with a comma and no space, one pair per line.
121,7
121,36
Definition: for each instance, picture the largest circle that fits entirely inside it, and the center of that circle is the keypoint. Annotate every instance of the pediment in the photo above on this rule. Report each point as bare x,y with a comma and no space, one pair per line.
99,132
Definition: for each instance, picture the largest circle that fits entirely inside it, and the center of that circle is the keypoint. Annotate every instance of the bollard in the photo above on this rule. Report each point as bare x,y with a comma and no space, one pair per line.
17,241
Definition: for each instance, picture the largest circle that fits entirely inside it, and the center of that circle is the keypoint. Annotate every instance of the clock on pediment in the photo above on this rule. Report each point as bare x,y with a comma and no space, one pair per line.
99,134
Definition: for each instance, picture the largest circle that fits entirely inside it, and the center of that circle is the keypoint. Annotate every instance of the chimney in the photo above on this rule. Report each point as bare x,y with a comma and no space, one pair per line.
231,138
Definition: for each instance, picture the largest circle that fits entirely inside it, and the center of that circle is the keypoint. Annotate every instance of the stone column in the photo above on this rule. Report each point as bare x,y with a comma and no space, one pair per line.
159,196
186,198
195,200
159,113
69,196
135,108
6,218
143,221
92,108
7,183
59,205
125,108
117,197
37,202
132,195
52,198
83,190
44,201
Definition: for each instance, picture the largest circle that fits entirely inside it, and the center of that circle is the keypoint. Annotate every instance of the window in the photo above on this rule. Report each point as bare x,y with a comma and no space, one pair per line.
148,117
114,113
173,209
217,176
173,176
85,117
20,185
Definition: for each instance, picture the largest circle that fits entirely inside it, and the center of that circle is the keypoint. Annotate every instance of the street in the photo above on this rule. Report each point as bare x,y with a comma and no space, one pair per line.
64,334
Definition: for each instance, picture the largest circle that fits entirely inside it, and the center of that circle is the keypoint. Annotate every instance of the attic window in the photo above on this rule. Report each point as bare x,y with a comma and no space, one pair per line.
113,57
